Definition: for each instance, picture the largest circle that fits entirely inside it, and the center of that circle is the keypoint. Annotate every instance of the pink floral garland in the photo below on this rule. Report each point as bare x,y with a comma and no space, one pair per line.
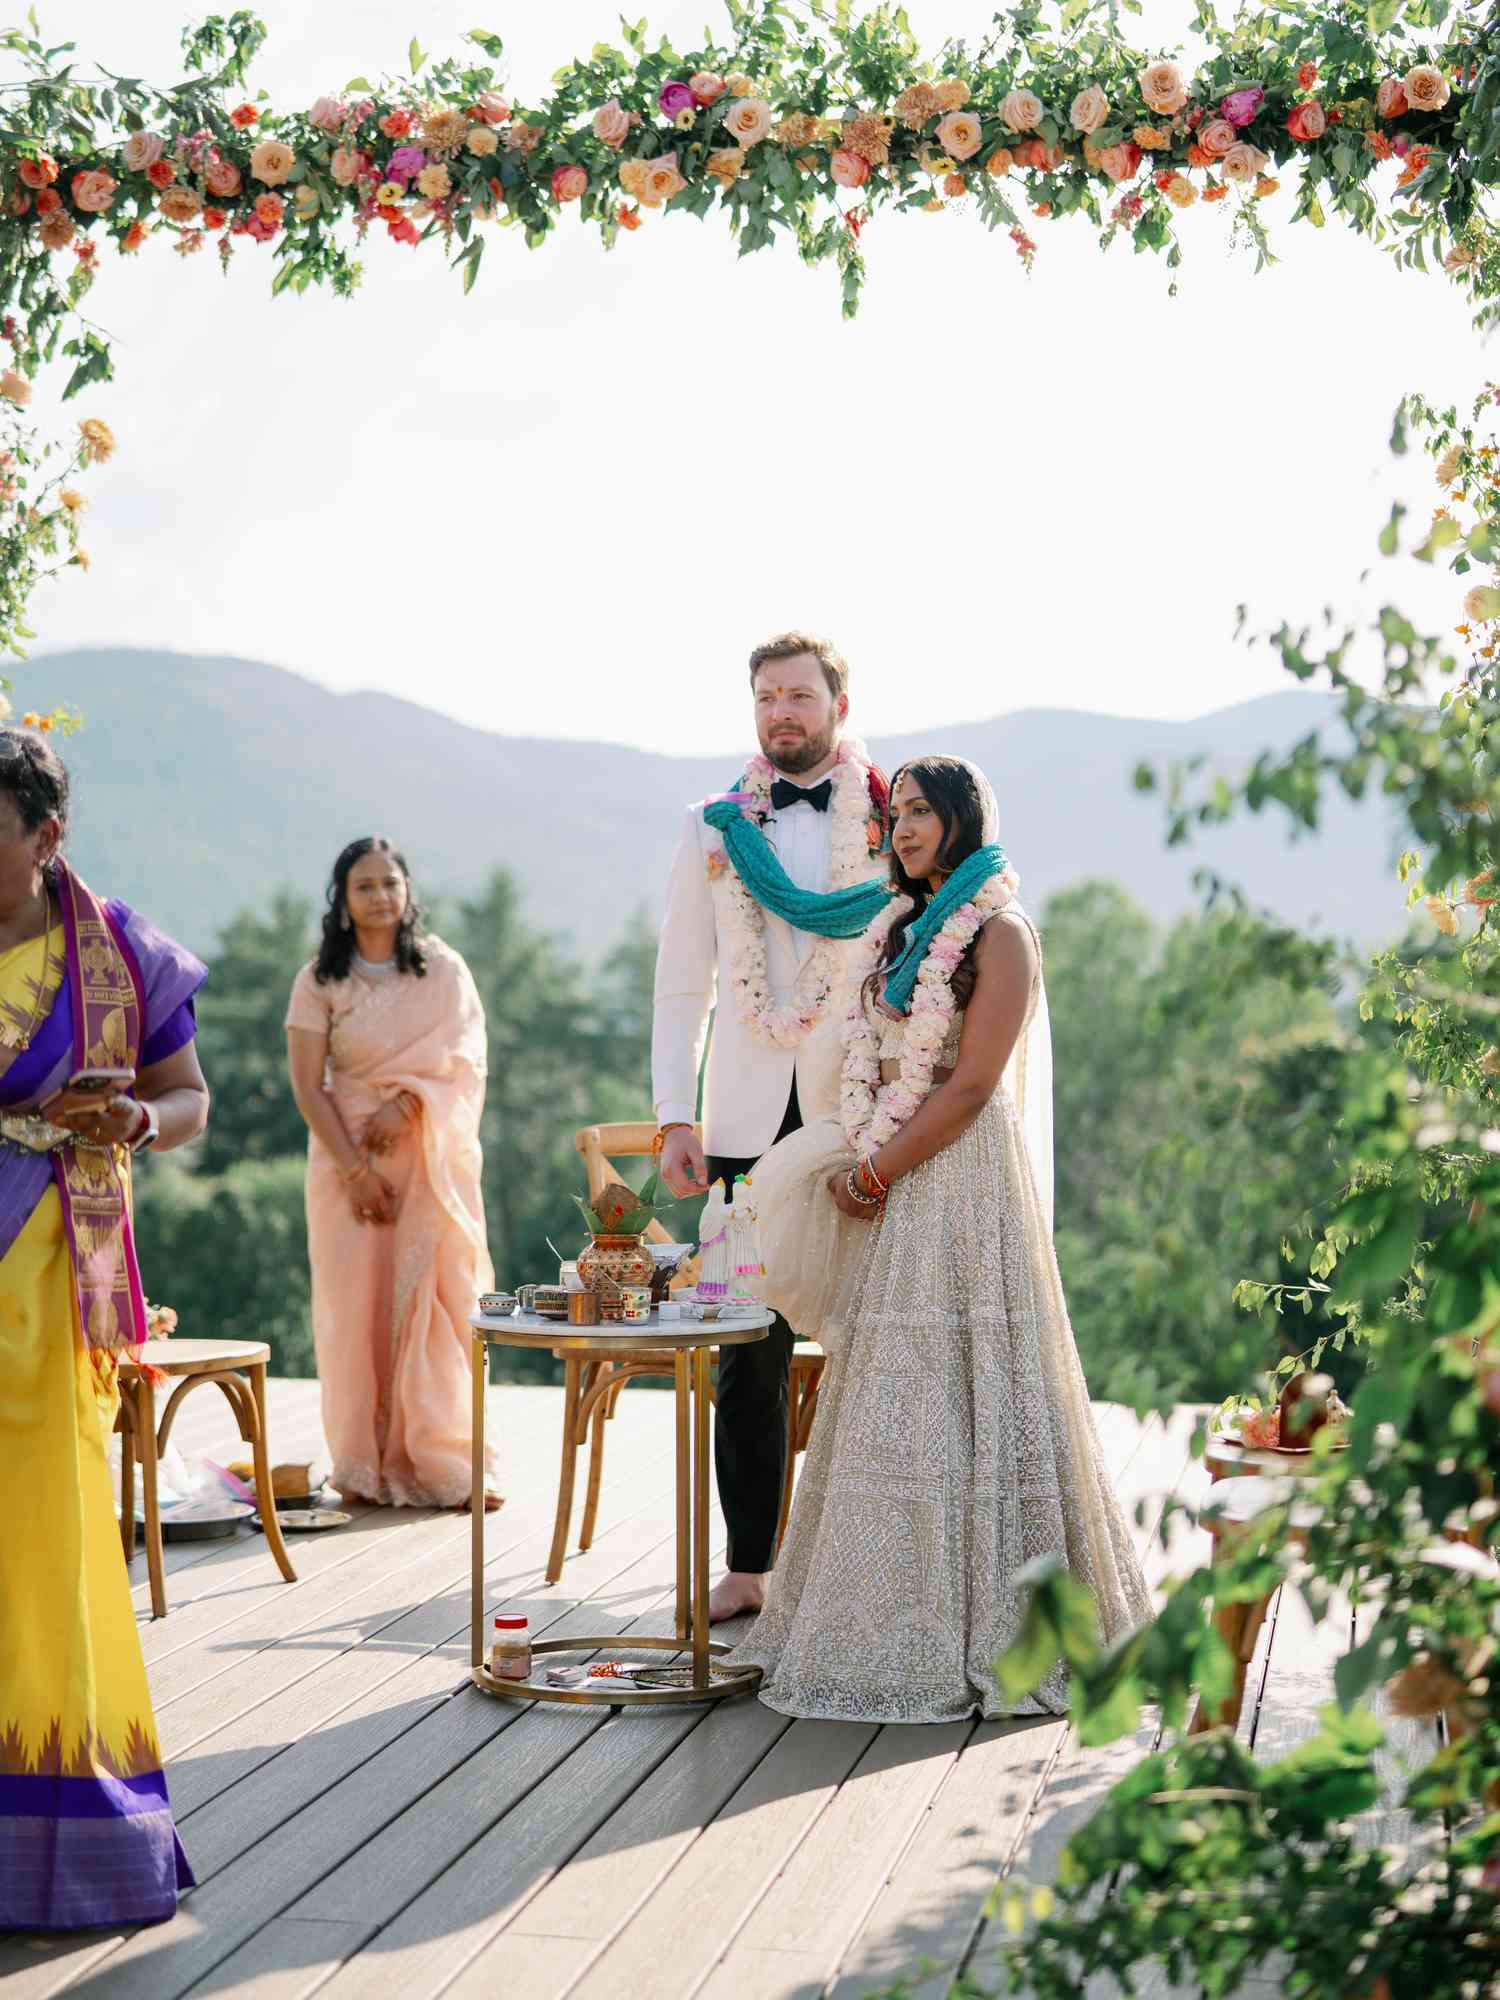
744,921
873,1112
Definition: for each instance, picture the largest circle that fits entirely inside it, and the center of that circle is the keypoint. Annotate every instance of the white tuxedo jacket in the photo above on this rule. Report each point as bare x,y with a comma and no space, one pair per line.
749,1081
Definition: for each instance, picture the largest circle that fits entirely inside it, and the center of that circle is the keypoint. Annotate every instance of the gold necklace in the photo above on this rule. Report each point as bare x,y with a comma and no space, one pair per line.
21,1042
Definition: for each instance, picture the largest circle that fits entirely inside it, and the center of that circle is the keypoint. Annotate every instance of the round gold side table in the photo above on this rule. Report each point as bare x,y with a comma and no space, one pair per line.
689,1342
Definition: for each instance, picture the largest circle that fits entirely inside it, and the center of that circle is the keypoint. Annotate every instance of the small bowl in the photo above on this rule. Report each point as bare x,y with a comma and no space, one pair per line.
497,1305
669,1255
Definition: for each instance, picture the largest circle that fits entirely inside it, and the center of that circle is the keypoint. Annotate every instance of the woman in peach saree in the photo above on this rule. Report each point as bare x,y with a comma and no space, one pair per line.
387,1050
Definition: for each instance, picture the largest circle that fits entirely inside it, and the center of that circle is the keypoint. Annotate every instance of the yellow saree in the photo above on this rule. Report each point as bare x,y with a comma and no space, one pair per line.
86,1831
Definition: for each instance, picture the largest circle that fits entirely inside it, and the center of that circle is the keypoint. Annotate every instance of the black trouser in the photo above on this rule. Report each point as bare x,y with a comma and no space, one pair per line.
750,1423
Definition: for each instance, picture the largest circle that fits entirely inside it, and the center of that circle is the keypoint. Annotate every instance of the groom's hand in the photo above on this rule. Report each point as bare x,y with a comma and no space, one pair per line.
683,1166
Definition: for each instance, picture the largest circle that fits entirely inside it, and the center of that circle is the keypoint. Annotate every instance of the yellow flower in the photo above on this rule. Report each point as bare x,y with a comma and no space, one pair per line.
739,85
1181,192
1000,162
98,441
390,193
1489,1062
72,499
83,559
1267,184
1442,915
726,164
435,182
15,388
1149,136
686,119
481,142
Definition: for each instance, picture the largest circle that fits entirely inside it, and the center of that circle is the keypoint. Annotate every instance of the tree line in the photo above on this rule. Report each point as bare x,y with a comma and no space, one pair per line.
1195,1080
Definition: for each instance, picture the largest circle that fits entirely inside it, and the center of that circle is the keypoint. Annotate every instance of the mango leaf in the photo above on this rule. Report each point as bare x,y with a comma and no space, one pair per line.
415,55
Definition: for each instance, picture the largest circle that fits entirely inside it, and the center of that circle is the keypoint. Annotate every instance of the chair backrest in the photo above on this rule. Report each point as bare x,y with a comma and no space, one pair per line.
602,1145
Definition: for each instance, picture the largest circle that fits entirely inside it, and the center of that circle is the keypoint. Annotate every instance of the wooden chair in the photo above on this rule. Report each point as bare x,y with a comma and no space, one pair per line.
592,1388
239,1368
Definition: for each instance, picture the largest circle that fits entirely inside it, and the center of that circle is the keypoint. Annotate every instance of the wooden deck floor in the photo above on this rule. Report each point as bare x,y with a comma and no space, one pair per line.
364,1825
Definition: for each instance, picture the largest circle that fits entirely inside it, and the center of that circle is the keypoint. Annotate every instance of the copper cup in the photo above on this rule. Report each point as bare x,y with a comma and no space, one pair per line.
583,1309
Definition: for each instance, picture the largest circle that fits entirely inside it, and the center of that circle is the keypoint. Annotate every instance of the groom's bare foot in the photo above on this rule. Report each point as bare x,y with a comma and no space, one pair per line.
737,1592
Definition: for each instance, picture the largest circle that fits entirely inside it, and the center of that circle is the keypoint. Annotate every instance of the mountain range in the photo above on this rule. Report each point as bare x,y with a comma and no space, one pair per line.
202,785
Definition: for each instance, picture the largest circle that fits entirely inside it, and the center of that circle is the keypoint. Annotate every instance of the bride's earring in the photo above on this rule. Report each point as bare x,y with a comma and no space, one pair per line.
344,919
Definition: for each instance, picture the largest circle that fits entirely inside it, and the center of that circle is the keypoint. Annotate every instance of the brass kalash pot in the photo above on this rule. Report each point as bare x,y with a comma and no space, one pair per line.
616,1255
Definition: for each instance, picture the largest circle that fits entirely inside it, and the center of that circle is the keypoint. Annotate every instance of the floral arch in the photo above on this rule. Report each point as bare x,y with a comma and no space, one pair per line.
808,123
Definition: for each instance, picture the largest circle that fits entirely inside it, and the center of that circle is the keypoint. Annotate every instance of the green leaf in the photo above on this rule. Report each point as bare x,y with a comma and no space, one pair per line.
1381,14
415,55
358,83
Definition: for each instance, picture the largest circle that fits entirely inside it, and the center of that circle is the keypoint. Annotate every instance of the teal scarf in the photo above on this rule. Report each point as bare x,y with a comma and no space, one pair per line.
842,913
966,881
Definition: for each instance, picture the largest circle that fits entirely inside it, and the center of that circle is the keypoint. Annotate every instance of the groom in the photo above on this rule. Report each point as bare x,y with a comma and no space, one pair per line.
769,891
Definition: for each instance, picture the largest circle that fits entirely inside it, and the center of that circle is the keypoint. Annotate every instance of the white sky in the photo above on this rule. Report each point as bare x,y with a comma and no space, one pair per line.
569,504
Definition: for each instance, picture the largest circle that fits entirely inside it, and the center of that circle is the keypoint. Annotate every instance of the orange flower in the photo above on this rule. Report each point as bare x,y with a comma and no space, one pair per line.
627,217
1199,157
1217,192
1307,75
40,172
1266,184
48,202
270,209
244,116
955,185
1378,144
214,218
1042,208
134,236
161,173
1000,162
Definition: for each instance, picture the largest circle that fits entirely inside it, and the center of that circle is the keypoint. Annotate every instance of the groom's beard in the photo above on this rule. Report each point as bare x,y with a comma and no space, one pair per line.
792,758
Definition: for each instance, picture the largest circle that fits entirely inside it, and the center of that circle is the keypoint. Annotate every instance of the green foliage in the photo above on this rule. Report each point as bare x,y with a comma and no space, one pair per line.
1215,1866
242,1037
1197,1078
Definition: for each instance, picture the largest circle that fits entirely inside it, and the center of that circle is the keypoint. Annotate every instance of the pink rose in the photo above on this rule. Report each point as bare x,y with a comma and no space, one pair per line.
1122,162
1216,137
491,107
142,150
850,170
611,124
675,97
347,164
94,190
1241,106
222,178
569,183
1307,121
328,113
707,86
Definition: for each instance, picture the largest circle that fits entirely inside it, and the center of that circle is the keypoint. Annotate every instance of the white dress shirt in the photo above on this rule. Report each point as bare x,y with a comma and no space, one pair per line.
801,837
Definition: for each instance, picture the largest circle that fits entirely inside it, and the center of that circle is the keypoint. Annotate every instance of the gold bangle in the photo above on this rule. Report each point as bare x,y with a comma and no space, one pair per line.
349,1175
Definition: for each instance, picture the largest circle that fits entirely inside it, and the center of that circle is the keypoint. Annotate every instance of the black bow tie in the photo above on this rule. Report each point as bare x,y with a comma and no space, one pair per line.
783,794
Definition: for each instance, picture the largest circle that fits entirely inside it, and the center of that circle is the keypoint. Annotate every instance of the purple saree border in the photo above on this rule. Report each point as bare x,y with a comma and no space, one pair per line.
47,1794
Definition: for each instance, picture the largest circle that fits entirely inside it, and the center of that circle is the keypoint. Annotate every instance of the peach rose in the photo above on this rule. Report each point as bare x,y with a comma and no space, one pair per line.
726,164
1163,88
1449,465
1122,161
1243,161
1482,604
272,162
435,182
748,122
1307,121
346,166
1000,162
850,169
1390,98
959,135
707,86
222,177
15,388
633,178
1217,136
40,172
569,183
739,85
491,107
58,230
94,190
269,209
180,204
1022,111
661,180
612,124
97,441
481,142
952,94
1089,109
1181,192
142,150
1426,88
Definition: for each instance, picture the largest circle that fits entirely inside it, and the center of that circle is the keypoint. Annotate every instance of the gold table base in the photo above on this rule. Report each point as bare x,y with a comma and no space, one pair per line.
723,1682
689,1344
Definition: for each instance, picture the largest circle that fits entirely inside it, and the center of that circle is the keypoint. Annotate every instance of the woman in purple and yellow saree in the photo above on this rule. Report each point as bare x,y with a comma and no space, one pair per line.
86,1830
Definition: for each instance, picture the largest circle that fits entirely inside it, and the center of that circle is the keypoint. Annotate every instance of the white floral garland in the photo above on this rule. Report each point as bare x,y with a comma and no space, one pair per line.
744,921
873,1112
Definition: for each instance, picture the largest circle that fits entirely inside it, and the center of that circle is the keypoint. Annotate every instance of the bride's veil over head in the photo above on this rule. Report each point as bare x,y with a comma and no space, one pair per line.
1028,1074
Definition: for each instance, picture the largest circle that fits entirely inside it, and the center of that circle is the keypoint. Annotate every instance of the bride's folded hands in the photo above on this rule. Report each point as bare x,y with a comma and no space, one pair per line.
391,1123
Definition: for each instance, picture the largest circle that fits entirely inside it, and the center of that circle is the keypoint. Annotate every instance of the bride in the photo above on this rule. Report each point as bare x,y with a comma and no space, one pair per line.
954,1441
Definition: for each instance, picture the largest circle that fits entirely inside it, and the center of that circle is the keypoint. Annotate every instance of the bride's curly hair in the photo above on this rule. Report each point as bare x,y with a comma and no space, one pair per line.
948,786
336,950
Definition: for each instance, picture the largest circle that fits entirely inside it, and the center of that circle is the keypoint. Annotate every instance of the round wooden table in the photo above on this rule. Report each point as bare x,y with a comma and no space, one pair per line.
690,1343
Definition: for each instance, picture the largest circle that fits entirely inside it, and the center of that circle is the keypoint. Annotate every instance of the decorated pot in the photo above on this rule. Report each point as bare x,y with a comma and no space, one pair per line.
606,1263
